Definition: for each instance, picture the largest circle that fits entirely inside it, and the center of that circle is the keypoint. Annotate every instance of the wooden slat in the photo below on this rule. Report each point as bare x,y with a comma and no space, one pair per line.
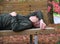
29,31
53,28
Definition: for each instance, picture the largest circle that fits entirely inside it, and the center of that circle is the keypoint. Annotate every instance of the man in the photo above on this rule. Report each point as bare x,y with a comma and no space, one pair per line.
15,22
37,19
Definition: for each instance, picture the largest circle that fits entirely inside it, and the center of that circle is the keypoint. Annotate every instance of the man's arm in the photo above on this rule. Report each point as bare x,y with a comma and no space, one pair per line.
21,24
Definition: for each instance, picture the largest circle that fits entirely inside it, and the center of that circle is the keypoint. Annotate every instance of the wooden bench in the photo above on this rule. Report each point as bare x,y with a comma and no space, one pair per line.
31,32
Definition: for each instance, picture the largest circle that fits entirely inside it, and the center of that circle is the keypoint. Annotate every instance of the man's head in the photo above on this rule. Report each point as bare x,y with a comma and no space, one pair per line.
33,19
37,23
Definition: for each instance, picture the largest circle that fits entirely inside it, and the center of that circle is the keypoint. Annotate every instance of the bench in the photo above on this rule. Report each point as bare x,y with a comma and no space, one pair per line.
33,33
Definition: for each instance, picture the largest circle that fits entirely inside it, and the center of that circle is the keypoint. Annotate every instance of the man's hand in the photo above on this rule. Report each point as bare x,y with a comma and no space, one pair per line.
13,13
42,24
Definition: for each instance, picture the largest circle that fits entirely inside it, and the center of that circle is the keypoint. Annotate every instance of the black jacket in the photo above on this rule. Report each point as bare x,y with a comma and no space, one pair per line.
17,23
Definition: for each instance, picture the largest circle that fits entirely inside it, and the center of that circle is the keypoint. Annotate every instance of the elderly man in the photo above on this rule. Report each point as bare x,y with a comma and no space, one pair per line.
15,22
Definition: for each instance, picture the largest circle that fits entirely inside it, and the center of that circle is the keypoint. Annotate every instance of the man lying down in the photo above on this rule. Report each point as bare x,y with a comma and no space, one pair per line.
15,22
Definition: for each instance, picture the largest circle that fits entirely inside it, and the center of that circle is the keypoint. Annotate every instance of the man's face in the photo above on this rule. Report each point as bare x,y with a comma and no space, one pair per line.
33,19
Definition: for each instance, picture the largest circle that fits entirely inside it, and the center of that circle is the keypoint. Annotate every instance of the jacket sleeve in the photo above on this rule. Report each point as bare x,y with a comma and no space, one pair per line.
6,21
20,23
21,26
0,22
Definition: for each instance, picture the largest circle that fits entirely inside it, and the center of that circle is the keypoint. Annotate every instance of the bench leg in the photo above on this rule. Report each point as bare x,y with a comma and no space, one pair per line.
31,39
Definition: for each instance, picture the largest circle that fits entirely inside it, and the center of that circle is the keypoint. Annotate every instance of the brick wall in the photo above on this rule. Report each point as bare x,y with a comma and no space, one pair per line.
24,39
24,7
